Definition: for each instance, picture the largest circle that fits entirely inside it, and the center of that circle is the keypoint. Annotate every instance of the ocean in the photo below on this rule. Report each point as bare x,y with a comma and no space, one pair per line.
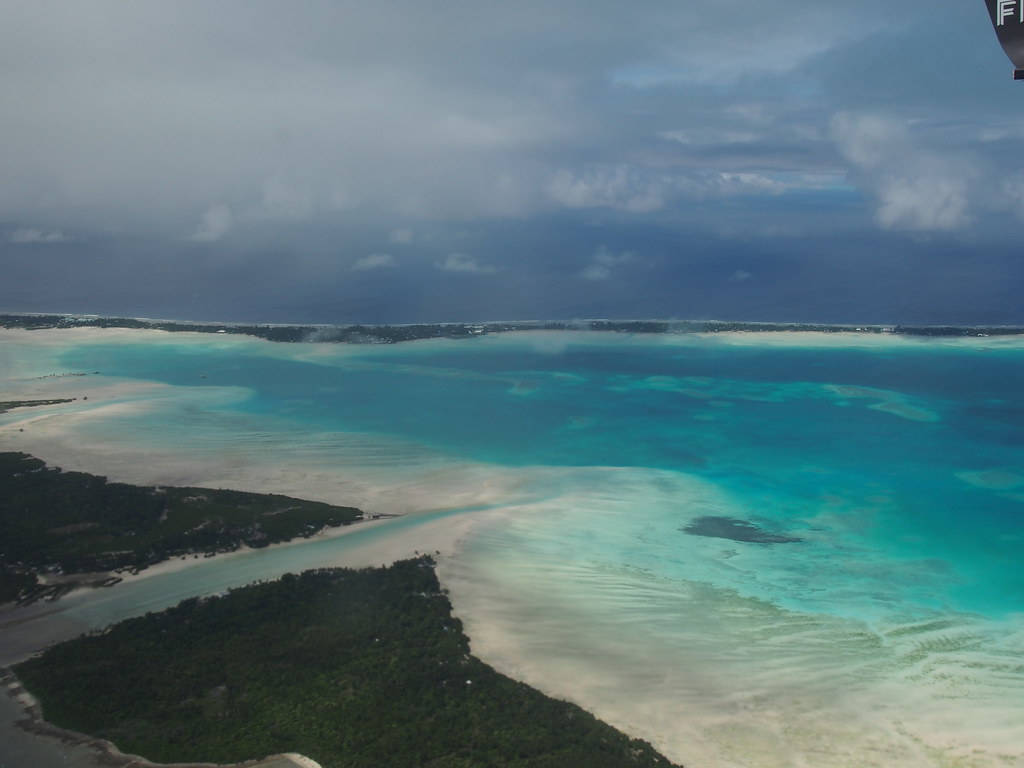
750,549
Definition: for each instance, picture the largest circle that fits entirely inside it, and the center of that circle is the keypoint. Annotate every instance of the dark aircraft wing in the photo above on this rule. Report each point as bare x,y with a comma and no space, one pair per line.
1008,19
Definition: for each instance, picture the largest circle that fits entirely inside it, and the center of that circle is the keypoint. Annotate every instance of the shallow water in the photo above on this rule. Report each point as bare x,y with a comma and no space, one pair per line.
890,633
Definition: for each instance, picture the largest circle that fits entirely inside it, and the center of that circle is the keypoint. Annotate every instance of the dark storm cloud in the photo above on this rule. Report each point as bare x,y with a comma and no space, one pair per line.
496,159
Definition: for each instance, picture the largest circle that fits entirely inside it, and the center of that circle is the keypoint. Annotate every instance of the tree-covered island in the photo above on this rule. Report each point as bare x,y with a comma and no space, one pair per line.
8,405
73,528
352,668
393,334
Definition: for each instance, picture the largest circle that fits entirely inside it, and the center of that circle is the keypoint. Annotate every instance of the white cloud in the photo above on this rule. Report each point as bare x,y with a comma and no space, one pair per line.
710,137
1012,196
646,190
596,272
27,236
867,140
400,236
749,183
375,261
741,275
460,262
372,121
603,263
617,186
215,223
927,202
917,188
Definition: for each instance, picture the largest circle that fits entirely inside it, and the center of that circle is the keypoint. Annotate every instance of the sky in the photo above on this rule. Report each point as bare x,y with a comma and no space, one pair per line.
412,161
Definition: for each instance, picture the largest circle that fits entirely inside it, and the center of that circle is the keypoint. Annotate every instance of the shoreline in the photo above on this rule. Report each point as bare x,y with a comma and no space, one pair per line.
26,629
384,333
729,333
177,563
43,624
73,435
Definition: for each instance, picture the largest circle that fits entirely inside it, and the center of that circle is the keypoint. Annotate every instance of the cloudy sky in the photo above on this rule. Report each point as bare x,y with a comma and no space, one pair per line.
407,161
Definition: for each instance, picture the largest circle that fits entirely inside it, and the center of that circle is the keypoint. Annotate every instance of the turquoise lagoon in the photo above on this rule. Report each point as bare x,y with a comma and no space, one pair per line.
890,632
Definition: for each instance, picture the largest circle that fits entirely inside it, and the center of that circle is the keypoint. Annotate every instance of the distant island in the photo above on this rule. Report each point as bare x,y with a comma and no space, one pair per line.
8,405
61,530
392,334
355,668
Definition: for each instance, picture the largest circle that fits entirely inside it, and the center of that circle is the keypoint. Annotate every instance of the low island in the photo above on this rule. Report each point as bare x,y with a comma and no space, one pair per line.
345,667
60,530
9,405
350,668
393,334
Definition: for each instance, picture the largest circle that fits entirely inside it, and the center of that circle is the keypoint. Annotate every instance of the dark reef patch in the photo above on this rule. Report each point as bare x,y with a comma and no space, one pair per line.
737,530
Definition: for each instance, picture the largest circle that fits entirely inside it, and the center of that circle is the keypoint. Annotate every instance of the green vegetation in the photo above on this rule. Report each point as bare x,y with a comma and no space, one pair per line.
6,405
351,668
72,522
393,334
353,334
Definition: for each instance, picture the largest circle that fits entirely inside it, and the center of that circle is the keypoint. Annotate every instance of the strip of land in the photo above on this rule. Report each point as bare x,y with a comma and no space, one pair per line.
392,334
62,530
347,667
8,405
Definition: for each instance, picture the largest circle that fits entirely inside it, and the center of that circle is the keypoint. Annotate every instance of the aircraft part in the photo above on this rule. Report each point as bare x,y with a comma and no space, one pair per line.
1008,20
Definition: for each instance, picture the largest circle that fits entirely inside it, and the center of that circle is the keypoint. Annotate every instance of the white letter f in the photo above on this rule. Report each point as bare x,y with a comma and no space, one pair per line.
1004,10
